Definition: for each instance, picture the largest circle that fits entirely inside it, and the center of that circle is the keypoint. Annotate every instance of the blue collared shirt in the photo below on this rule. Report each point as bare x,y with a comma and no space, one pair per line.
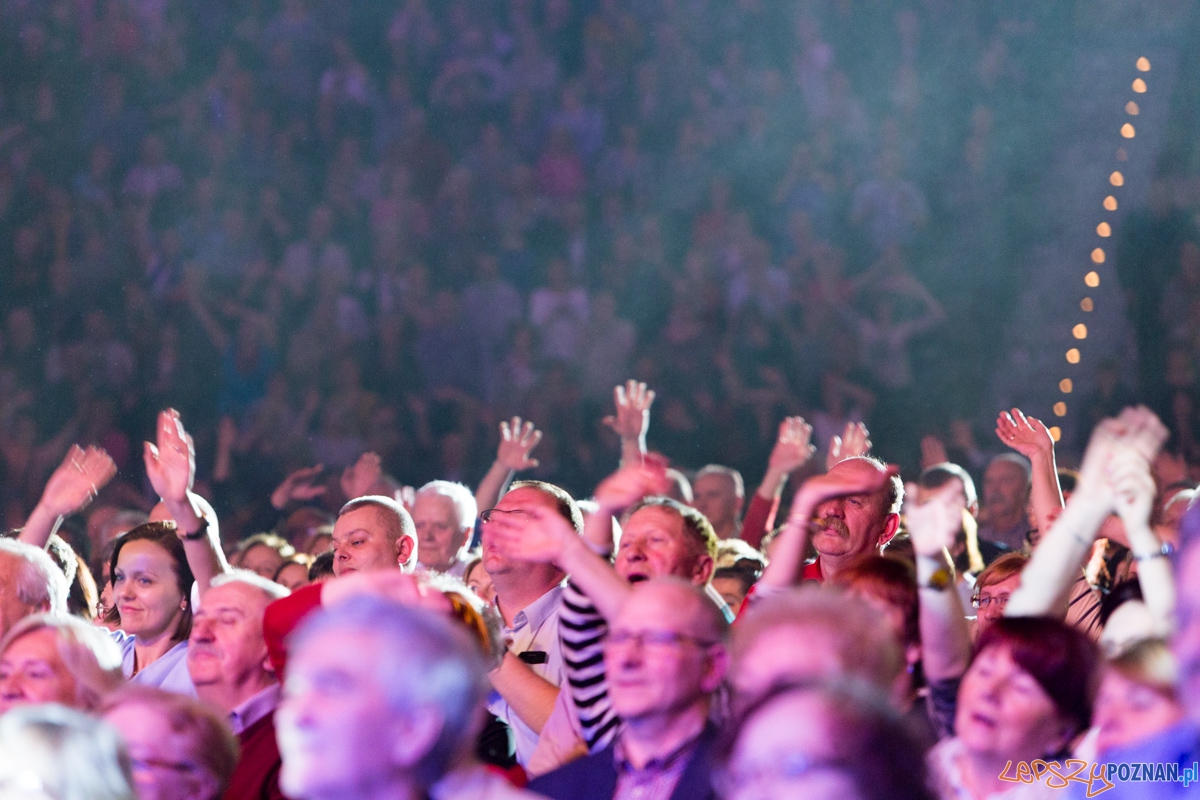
168,672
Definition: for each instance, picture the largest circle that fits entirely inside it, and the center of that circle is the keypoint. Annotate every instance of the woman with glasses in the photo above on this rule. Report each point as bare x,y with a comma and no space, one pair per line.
179,748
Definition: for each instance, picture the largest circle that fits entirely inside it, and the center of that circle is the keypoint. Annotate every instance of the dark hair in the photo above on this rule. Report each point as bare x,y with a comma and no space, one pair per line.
567,508
1068,479
939,475
695,524
1118,596
322,566
895,583
880,751
162,534
1064,661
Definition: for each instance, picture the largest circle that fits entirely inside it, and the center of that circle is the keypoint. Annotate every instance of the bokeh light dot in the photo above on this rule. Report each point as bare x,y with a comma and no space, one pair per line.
1065,386
1139,86
1060,409
1079,331
1055,432
1086,304
1143,64
1116,179
1104,230
1092,279
1110,203
1127,131
1073,355
1131,108
1098,256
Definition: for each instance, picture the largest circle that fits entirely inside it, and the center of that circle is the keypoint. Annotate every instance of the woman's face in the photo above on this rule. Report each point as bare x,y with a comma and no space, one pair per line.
146,590
481,583
32,671
1128,711
163,766
1003,711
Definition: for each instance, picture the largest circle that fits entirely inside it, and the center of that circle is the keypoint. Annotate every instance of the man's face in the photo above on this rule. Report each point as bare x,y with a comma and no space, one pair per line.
659,661
654,543
714,496
227,646
1186,642
12,610
856,524
439,535
262,560
1005,489
517,502
953,488
334,723
996,596
361,543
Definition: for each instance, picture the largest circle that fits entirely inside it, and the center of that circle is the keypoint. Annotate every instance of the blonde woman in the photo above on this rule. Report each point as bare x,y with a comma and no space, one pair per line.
48,658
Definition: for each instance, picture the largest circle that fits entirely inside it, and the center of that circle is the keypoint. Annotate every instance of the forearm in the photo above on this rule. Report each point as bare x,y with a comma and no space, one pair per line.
1155,578
529,695
772,484
633,451
1045,494
492,486
40,526
946,641
595,577
204,556
786,563
1047,578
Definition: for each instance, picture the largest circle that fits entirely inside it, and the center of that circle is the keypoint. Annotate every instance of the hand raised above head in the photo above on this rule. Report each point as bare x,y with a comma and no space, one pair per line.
627,486
633,402
792,448
934,524
359,477
854,441
171,461
77,480
517,441
1027,435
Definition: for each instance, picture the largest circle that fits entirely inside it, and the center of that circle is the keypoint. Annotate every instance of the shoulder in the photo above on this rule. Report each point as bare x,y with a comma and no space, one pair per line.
566,782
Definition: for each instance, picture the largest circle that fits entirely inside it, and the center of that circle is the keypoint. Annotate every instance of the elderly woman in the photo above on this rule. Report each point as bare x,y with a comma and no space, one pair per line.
1027,694
46,658
1138,697
180,748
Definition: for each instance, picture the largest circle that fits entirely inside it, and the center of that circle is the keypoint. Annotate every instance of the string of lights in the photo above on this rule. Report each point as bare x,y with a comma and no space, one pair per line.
1104,231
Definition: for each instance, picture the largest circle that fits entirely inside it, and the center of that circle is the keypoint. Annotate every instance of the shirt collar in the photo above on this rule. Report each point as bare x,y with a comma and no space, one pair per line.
254,709
662,764
539,610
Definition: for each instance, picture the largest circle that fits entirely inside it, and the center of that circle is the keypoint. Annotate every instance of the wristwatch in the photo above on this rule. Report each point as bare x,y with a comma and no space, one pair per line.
939,581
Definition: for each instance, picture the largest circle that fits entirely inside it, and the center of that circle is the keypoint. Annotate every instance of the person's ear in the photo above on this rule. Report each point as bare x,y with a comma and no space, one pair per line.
406,552
414,735
890,526
703,571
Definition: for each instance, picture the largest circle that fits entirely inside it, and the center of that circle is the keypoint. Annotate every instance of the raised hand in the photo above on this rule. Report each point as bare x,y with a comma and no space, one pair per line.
632,420
792,448
1027,435
934,524
517,441
359,477
819,488
854,441
298,485
1133,488
534,534
933,451
627,486
80,477
171,463
1140,429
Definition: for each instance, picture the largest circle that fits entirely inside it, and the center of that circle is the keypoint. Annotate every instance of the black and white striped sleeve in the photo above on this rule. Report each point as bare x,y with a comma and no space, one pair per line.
582,630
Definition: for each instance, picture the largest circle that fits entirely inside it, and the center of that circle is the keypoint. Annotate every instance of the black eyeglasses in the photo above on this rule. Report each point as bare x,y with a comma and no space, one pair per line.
983,601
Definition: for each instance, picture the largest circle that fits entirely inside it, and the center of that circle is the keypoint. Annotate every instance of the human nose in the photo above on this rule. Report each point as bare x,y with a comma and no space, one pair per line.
831,508
11,688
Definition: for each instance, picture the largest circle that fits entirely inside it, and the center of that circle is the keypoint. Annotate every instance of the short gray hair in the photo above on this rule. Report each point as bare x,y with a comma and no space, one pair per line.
271,589
428,661
739,485
42,738
465,508
39,581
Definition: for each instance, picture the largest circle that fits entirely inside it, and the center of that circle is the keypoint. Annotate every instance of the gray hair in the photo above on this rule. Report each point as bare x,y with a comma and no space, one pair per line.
40,583
42,738
428,661
465,508
88,652
271,589
739,485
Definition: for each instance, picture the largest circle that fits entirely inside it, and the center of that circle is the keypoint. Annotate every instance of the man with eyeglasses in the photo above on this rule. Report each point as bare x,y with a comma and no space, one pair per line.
528,597
665,656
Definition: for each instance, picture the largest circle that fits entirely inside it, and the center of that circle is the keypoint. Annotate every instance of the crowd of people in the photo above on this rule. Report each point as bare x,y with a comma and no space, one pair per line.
388,228
885,640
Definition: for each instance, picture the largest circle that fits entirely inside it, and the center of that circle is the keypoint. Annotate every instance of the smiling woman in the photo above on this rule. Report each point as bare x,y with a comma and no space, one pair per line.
151,583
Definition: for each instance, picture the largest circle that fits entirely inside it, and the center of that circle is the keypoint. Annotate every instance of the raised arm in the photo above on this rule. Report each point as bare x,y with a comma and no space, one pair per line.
1133,487
945,638
517,441
78,479
171,467
1047,578
792,450
1030,437
631,420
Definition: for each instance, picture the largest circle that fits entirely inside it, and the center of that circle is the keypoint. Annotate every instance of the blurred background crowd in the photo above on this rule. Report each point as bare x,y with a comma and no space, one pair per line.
321,228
